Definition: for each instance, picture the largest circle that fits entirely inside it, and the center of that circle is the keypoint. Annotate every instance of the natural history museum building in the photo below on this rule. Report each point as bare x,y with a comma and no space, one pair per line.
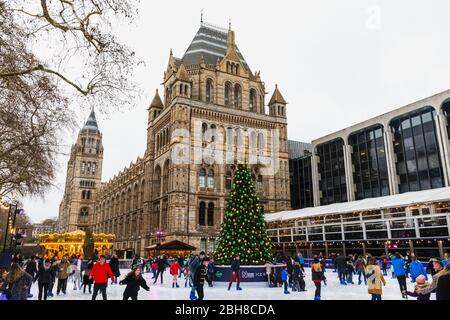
213,114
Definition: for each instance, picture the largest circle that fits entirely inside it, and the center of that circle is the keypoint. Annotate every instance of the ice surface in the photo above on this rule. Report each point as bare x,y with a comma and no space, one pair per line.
251,291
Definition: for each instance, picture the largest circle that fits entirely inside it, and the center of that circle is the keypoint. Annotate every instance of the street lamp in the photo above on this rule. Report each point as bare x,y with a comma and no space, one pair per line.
159,235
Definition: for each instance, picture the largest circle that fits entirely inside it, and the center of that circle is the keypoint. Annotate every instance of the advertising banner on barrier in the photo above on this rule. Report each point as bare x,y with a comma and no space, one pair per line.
248,273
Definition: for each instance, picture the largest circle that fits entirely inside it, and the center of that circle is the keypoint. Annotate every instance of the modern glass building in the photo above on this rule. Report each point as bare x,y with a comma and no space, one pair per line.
394,159
333,188
370,172
301,182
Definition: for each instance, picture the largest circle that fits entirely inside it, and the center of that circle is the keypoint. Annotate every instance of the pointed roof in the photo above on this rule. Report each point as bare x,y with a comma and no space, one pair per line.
182,74
211,42
91,124
157,102
277,97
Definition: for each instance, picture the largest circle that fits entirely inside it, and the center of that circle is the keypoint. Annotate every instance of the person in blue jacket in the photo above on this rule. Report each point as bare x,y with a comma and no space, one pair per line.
284,278
416,269
399,265
446,260
301,259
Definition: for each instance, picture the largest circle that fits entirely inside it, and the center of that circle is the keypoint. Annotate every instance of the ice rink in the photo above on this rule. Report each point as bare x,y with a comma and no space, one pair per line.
333,290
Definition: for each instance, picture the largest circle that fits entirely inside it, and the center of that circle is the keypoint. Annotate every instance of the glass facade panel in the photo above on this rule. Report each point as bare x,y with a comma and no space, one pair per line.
331,167
301,183
370,174
416,148
446,109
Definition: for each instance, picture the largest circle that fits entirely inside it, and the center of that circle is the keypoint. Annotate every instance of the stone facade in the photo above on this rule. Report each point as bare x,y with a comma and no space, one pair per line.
84,174
213,116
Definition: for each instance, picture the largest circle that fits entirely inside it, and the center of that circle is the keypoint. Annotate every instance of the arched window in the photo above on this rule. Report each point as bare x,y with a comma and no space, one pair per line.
157,182
84,216
209,91
186,90
213,134
211,179
228,180
211,214
237,69
253,106
83,194
261,144
202,178
227,93
237,96
259,183
165,183
202,214
88,195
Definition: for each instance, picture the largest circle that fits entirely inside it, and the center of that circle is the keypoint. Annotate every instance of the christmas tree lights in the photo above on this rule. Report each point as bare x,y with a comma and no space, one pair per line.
243,230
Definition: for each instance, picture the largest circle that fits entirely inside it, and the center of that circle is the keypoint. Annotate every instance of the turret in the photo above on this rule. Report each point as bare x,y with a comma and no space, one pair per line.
277,104
181,87
155,108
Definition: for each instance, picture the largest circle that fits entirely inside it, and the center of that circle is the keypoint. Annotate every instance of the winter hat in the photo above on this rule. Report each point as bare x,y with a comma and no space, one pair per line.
421,279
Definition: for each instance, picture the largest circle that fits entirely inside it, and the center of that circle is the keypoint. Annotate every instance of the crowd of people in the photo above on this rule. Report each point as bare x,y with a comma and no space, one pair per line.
92,276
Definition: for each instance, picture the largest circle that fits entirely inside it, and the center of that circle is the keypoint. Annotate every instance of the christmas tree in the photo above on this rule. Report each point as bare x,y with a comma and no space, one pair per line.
243,229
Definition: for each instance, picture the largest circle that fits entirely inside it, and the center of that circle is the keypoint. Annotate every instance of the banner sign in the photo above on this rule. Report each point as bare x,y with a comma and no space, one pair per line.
248,273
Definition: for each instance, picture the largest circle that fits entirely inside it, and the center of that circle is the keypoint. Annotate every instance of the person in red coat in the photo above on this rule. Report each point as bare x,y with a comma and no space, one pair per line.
174,270
100,273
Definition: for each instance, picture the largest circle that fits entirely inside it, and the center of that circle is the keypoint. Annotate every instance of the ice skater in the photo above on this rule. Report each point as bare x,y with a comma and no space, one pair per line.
317,276
284,278
375,279
174,270
199,278
399,265
134,281
297,277
100,273
235,273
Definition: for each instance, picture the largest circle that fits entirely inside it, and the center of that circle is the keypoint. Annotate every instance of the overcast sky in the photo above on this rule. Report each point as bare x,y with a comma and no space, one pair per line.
336,62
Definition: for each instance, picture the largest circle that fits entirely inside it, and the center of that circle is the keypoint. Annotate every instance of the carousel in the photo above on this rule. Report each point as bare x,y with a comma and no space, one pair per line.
72,244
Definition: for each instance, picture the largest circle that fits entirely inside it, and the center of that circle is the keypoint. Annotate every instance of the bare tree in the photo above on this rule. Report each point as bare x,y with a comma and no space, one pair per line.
55,54
77,46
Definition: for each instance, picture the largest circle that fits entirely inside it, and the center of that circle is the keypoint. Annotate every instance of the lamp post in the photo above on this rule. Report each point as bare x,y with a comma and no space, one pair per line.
13,227
8,226
158,234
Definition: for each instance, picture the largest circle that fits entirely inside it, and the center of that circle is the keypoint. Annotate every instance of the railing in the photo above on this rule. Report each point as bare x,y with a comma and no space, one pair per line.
400,228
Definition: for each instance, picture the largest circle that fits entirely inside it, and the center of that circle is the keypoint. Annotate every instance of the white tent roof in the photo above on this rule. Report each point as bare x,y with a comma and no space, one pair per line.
399,200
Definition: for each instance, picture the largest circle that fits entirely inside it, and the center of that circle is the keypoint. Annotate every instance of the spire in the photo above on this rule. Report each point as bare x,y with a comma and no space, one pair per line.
231,47
277,97
201,17
91,123
157,102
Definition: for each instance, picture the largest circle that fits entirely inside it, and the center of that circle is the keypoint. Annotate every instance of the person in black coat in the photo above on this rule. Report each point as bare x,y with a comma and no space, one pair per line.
341,265
199,278
443,285
31,269
87,282
235,273
162,263
55,268
114,265
44,277
134,282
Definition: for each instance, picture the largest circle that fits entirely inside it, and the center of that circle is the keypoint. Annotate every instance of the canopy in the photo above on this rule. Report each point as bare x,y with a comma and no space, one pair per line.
172,245
398,200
